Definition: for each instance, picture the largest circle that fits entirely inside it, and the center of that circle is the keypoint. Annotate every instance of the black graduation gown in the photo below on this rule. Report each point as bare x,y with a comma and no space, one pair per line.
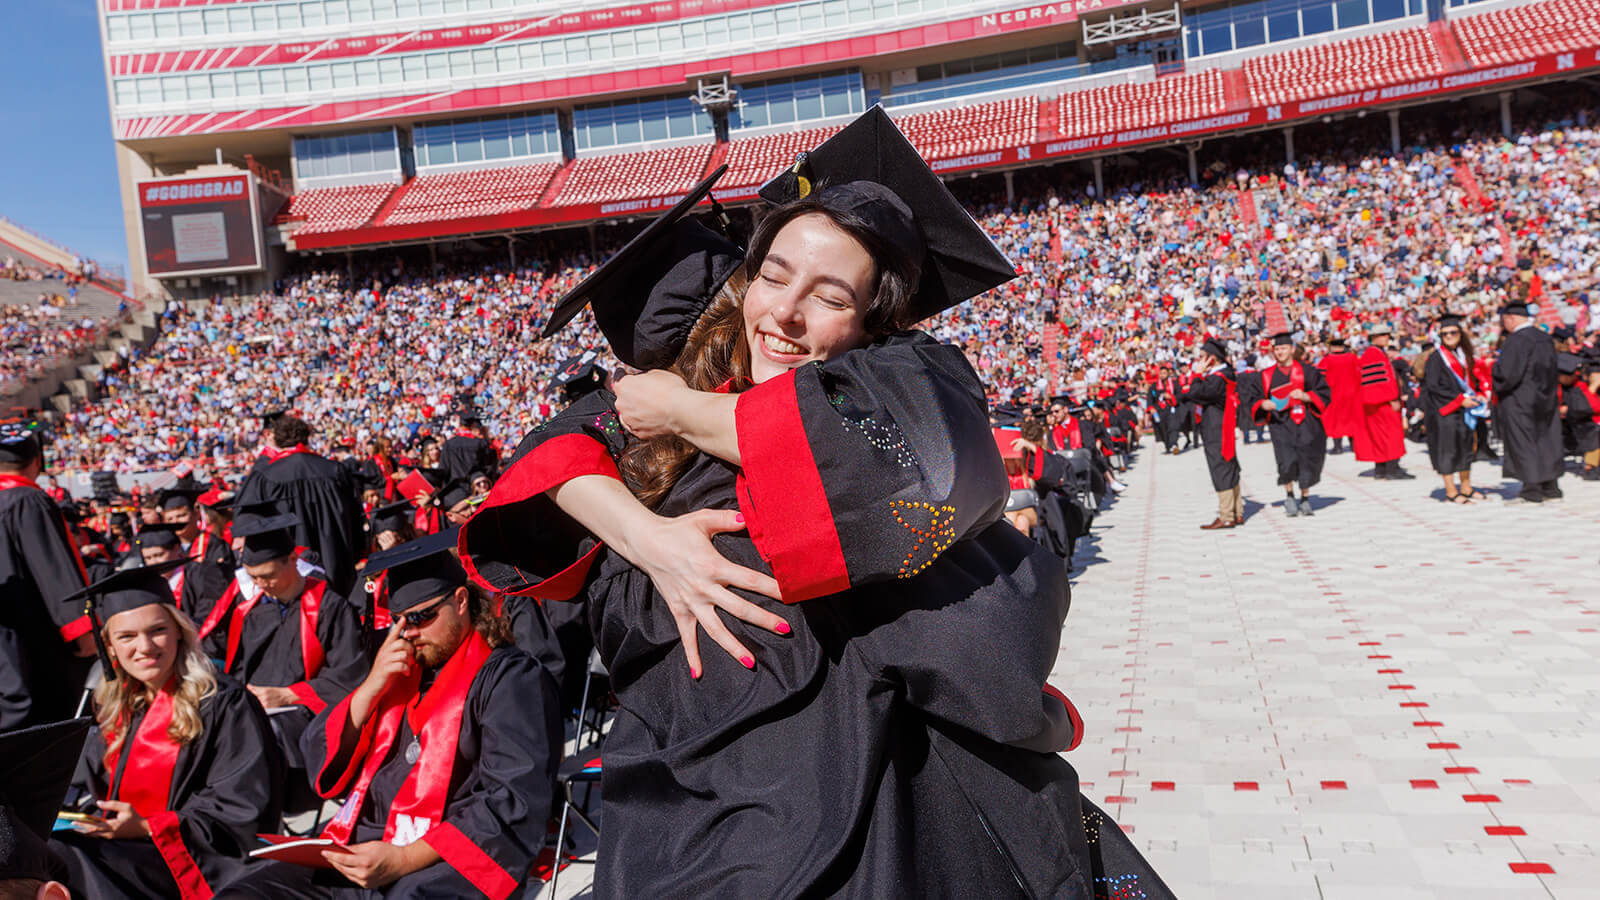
501,787
1299,449
1209,396
40,679
533,633
901,741
226,786
269,655
1061,526
1579,422
1451,442
1525,389
466,453
323,494
204,583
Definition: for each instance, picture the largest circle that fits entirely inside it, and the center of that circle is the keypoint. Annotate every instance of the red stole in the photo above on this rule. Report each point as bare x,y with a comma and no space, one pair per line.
1594,402
224,603
146,781
1458,366
1297,382
385,468
1230,414
273,454
310,648
9,481
177,586
435,720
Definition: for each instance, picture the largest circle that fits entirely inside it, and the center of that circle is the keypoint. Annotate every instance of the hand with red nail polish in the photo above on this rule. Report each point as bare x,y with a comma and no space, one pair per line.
747,661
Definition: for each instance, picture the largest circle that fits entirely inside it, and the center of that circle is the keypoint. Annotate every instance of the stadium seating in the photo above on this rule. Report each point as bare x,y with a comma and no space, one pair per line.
947,133
754,160
626,176
335,208
476,192
1118,107
1339,67
1521,32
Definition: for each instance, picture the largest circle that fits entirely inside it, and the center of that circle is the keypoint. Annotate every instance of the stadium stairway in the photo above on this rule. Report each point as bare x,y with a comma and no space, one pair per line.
552,191
718,154
1049,127
1235,90
389,203
1451,54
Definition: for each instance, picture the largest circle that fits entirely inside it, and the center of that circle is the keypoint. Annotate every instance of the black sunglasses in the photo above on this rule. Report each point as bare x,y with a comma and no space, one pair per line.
421,617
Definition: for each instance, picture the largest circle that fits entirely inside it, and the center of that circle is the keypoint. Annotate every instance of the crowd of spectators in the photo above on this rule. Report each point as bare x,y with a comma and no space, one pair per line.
34,335
1117,283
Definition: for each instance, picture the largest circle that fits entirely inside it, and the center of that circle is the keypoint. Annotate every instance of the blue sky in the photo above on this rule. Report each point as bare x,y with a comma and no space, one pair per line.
58,174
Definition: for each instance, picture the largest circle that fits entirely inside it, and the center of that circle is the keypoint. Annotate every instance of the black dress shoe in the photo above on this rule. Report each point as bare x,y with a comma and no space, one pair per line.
1399,474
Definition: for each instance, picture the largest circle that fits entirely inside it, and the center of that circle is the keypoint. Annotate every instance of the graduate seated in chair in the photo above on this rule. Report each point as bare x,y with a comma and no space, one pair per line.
182,771
445,755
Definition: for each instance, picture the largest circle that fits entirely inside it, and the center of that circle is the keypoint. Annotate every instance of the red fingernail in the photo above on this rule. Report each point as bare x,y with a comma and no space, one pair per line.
783,628
739,517
747,662
694,673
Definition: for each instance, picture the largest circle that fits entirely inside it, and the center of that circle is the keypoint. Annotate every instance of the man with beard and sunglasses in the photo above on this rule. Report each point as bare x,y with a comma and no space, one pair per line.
445,755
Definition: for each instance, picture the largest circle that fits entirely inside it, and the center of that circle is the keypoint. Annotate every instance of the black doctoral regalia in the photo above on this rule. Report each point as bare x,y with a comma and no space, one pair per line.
324,495
1300,448
1451,441
1215,397
902,741
1526,410
225,789
40,678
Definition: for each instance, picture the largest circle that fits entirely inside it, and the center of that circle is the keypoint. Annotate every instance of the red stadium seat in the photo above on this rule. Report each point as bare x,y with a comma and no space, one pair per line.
1523,32
335,208
964,130
627,176
471,193
1118,107
1339,67
755,160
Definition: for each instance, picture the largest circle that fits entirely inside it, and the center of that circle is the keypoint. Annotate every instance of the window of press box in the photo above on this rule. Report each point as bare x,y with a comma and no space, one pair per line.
345,154
785,100
635,121
1249,23
485,138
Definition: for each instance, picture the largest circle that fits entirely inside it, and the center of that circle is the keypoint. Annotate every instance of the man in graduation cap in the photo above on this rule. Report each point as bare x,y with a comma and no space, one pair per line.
1291,398
1378,435
468,450
1215,394
1527,401
179,507
198,584
1580,408
294,640
45,647
319,492
35,771
445,755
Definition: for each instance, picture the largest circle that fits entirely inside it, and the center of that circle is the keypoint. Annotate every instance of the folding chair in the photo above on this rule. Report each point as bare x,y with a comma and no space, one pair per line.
583,767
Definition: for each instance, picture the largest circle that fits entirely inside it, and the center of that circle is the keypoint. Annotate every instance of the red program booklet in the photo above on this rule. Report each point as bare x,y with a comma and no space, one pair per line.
300,851
415,486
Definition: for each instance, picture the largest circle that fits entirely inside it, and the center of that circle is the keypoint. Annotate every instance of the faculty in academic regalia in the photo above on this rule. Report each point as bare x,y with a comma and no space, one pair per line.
1291,398
1342,372
1527,406
1580,409
1454,401
896,736
45,647
320,492
445,756
296,642
182,768
1378,434
1215,395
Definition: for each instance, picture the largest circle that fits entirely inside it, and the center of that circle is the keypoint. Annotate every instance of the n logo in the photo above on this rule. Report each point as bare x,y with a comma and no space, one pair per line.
408,829
1274,113
1566,60
1024,153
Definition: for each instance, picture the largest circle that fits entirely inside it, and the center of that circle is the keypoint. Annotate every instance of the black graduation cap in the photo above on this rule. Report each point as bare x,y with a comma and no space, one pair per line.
158,534
1563,332
36,766
178,497
1450,320
121,591
1002,416
1215,348
648,296
392,517
267,534
1283,339
1515,308
272,414
1567,363
69,509
420,570
579,375
869,168
18,442
454,491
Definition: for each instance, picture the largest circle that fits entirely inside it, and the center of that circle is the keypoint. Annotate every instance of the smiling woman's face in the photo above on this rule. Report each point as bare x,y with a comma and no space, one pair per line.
809,299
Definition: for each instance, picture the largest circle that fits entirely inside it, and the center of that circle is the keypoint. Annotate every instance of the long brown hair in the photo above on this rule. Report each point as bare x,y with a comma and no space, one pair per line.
716,352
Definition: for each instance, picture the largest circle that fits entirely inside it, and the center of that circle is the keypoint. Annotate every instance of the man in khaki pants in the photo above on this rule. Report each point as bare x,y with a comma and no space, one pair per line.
1216,395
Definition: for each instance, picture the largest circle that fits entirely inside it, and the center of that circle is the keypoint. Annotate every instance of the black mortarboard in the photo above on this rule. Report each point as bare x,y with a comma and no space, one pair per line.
454,491
648,296
419,570
1006,415
1563,332
121,591
36,766
392,517
267,534
158,534
1567,363
18,442
1450,320
849,172
1215,348
178,497
272,414
579,375
1283,339
69,509
1515,308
